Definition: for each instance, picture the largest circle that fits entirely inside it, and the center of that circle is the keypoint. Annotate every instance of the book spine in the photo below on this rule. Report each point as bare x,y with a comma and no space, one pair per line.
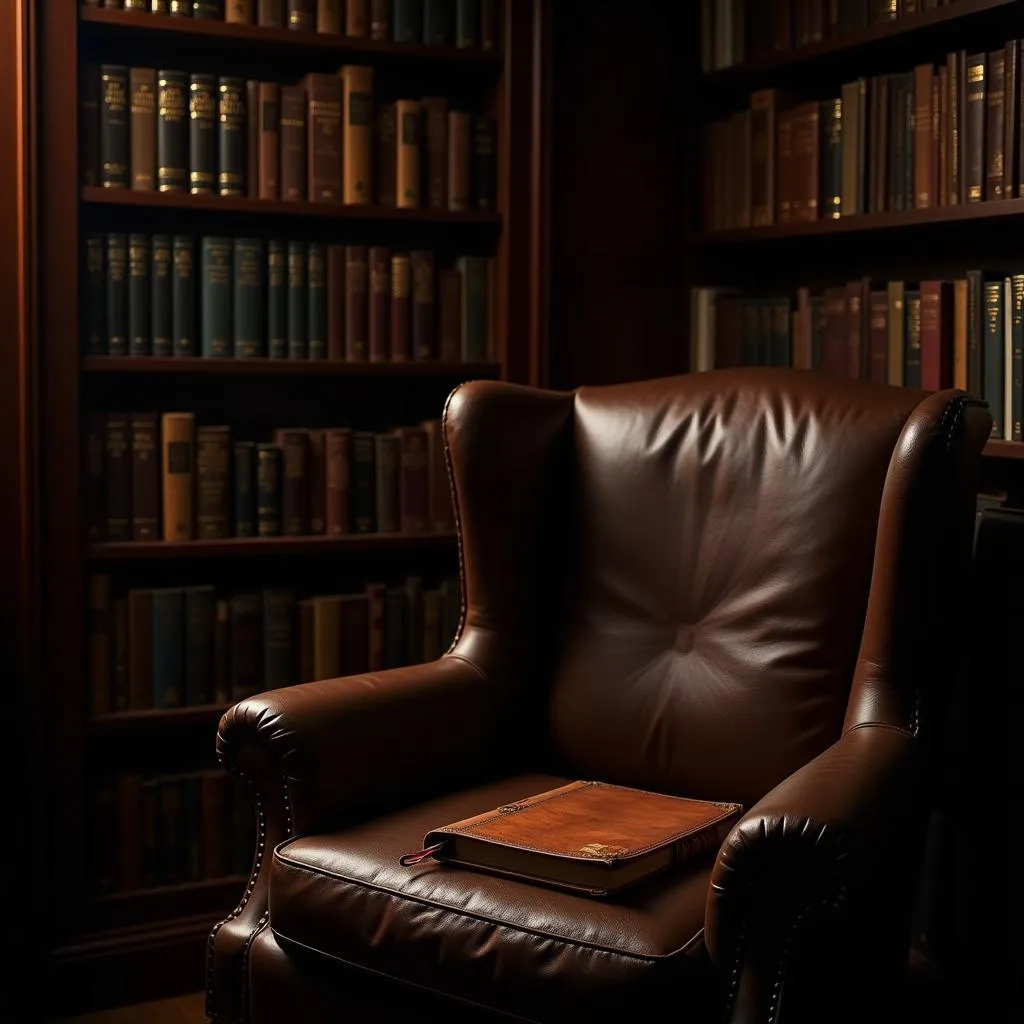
323,124
145,478
473,270
364,519
387,154
450,316
380,19
935,341
375,593
139,294
467,23
993,356
335,302
357,303
380,302
337,471
294,447
202,134
293,143
269,142
117,294
438,23
231,148
183,297
278,638
395,628
199,614
248,298
221,652
210,10
1016,430
316,471
177,441
975,331
270,13
117,470
212,469
484,157
995,122
435,118
407,174
316,293
94,297
298,304
162,324
168,642
1011,118
216,306
489,24
414,481
89,126
277,300
246,645
424,342
357,144
401,299
243,471
142,128
113,131
301,16
172,132
923,76
460,189
239,12
252,138
140,649
408,21
387,452
974,130
357,19
268,490
957,102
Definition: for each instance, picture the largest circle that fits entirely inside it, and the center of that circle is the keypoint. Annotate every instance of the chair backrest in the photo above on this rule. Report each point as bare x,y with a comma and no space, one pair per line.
740,550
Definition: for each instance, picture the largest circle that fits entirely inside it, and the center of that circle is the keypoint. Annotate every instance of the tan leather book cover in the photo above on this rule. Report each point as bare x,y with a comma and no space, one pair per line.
177,433
590,837
357,142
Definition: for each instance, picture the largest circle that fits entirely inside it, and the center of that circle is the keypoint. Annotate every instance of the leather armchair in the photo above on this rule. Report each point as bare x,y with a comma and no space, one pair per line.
736,585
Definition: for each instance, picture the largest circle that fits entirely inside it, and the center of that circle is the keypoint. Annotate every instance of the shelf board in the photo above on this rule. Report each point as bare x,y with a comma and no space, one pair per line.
963,213
288,367
149,720
874,34
153,200
1004,450
254,39
246,547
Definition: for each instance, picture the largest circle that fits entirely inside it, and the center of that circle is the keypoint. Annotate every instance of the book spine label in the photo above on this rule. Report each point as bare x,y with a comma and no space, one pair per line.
298,304
323,121
380,302
248,297
231,149
364,519
460,189
160,301
435,123
172,132
114,145
117,294
117,469
294,483
268,490
484,144
202,134
216,307
277,300
139,294
244,490
401,301
407,176
213,447
142,85
387,154
269,163
316,293
94,297
183,297
357,303
293,143
145,475
423,306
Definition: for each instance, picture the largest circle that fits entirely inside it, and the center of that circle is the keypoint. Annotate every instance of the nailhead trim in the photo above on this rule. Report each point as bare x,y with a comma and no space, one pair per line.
458,520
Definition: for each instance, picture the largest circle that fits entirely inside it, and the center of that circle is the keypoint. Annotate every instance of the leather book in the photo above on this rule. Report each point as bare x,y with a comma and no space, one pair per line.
380,303
589,837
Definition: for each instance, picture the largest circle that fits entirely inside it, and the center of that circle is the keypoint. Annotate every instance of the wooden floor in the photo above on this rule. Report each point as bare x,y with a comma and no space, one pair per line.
183,1010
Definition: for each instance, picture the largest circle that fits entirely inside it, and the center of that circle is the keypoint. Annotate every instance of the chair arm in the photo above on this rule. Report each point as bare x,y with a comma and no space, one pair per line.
827,854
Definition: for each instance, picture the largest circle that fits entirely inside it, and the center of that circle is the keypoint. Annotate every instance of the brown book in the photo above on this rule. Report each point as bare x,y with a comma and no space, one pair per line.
852,160
387,155
954,134
1011,118
328,16
177,437
783,173
435,127
336,302
739,125
145,477
253,114
442,515
323,129
935,139
413,480
805,165
423,305
834,358
246,639
460,188
936,335
375,597
305,642
856,328
293,142
380,19
923,75
450,315
327,636
100,643
974,130
294,445
763,133
140,649
316,468
960,307
380,302
269,148
878,336
408,118
942,143
995,124
357,304
355,634
213,456
357,18
337,465
386,460
117,468
357,107
142,92
896,319
239,12
270,13
401,300
588,837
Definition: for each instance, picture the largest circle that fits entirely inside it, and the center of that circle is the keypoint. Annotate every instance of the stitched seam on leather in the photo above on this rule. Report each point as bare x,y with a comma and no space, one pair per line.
469,661
458,911
882,725
458,518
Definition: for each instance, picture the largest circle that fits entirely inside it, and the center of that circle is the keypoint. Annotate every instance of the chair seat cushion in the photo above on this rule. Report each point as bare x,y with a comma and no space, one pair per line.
531,951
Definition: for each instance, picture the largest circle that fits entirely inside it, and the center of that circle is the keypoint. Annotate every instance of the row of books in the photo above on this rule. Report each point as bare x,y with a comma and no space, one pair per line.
153,477
736,31
144,295
462,23
148,832
324,139
922,139
172,647
967,333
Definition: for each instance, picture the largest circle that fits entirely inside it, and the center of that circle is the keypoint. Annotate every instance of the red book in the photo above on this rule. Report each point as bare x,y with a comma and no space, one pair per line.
936,335
337,469
413,480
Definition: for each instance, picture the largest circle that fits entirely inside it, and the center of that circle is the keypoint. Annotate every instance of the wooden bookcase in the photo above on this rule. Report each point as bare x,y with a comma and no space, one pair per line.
132,946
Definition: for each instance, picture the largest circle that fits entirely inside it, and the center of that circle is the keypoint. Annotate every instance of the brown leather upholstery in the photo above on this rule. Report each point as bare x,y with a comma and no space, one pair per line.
739,585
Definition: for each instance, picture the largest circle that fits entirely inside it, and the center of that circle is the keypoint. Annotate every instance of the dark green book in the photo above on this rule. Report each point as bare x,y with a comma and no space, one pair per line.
168,642
364,484
298,304
231,149
277,300
215,315
183,297
407,26
161,301
199,612
114,144
994,356
94,297
172,131
139,286
473,271
467,23
268,490
912,363
249,301
244,489
439,22
483,166
117,294
396,630
1016,431
316,293
202,134
278,638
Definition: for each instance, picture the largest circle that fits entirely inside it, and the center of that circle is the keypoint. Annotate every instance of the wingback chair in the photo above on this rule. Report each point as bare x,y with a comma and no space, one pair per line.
736,585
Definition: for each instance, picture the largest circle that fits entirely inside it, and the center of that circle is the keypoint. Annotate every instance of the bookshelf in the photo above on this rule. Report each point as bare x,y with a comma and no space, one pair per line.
115,943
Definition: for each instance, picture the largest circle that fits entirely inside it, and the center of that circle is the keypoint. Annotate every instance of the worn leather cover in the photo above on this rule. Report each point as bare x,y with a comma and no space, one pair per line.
587,836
